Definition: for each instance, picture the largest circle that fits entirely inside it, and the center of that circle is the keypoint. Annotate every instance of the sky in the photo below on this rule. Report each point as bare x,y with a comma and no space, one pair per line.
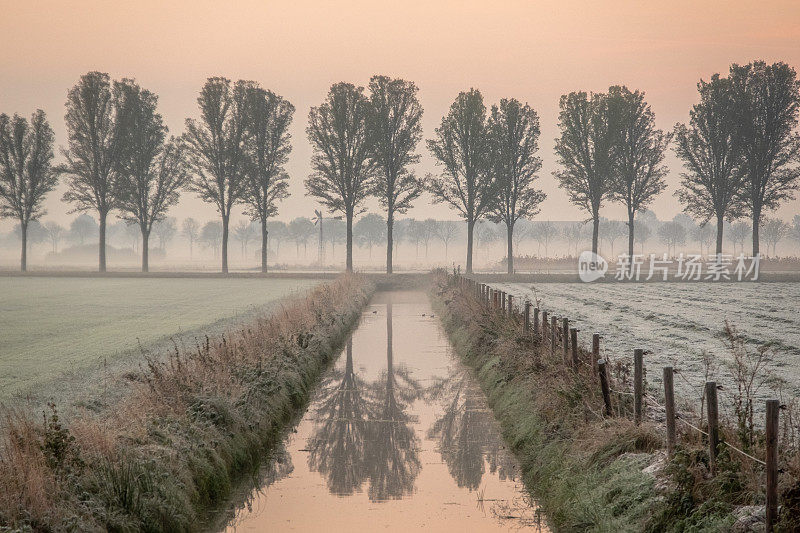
534,51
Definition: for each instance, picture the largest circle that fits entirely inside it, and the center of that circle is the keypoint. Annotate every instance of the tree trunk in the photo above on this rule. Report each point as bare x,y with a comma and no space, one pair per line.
102,243
630,234
225,220
348,365
145,251
264,243
595,231
23,260
510,246
720,228
389,358
470,228
389,240
756,220
349,245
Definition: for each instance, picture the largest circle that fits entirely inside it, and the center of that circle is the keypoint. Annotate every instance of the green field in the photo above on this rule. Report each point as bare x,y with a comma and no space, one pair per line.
58,326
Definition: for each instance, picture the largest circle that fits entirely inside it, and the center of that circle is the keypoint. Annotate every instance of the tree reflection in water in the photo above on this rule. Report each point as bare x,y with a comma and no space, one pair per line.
362,430
393,447
337,447
466,433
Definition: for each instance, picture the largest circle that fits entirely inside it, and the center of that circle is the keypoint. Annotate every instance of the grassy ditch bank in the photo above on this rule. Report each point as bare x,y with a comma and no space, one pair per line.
189,427
587,471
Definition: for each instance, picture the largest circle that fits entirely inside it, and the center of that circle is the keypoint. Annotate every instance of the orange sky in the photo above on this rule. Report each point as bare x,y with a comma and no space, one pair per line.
534,51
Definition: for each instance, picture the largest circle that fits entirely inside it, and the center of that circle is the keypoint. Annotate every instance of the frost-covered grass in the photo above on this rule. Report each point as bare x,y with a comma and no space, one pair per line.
53,325
588,472
184,430
677,322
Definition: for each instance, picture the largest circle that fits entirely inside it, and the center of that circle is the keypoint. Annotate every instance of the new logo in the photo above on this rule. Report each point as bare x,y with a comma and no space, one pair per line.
591,267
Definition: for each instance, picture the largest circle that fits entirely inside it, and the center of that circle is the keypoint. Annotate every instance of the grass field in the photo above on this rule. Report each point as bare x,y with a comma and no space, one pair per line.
57,326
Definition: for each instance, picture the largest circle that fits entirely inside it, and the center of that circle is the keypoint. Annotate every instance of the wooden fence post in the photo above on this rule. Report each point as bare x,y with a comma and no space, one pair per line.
565,338
773,408
638,384
603,371
527,318
573,341
553,334
536,321
669,401
595,351
510,305
544,324
713,425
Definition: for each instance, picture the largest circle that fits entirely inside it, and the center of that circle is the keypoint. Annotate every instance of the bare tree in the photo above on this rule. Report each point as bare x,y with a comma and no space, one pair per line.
446,231
712,183
150,171
268,149
514,134
26,153
611,230
190,229
585,150
672,234
55,232
794,229
278,232
165,229
244,232
92,154
487,233
638,154
335,233
739,232
462,146
704,234
773,230
301,229
394,127
217,149
573,234
133,234
643,232
82,227
767,101
342,170
416,231
370,230
211,235
544,232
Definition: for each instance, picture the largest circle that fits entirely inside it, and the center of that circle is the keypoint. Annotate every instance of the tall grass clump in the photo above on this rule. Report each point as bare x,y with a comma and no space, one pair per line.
587,471
188,428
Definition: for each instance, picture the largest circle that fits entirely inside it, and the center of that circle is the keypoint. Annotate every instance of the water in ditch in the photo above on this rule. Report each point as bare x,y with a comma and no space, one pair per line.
398,437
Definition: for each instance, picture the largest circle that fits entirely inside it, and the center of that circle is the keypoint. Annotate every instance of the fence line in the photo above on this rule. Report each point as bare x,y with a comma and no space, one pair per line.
496,300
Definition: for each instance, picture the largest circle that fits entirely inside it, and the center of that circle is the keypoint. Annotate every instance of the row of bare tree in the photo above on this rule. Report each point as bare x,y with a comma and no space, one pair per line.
739,149
119,157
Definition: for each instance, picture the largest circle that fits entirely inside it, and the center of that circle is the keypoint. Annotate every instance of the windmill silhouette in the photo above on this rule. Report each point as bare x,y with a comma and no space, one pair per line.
321,247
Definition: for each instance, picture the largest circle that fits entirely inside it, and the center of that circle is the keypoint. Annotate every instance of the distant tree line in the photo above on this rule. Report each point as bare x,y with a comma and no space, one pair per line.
740,152
369,231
